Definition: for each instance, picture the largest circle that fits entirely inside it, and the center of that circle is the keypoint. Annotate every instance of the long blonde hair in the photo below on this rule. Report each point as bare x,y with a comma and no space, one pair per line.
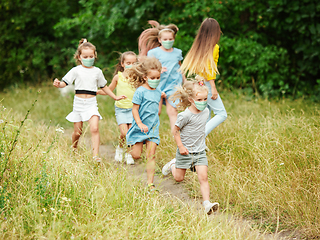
200,57
189,89
137,73
148,39
83,43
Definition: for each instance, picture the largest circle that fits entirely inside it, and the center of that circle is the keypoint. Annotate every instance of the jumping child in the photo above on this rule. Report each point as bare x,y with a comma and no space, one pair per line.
202,59
157,42
145,76
85,107
123,108
189,134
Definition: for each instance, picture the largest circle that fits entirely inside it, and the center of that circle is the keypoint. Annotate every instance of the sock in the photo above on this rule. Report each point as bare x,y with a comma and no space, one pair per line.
205,202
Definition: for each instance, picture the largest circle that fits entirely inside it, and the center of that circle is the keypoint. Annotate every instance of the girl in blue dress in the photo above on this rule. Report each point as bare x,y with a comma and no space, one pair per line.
145,77
157,42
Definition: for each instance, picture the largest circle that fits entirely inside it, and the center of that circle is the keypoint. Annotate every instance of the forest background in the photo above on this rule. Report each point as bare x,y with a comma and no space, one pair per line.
268,47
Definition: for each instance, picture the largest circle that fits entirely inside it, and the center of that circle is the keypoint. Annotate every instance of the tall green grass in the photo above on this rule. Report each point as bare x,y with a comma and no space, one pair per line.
263,160
47,191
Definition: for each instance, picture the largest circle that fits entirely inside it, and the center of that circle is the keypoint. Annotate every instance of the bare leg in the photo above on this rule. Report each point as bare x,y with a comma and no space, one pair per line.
178,173
136,150
172,114
95,136
202,172
77,131
151,163
123,132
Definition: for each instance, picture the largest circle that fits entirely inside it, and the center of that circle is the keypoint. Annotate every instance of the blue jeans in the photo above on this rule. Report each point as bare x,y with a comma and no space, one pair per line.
218,109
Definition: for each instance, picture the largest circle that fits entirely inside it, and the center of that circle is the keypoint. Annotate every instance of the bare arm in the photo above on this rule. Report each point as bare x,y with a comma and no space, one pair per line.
107,91
59,84
176,133
213,89
135,114
112,86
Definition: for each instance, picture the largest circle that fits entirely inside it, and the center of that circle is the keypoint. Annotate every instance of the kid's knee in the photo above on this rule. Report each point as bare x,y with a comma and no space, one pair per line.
94,130
135,155
178,178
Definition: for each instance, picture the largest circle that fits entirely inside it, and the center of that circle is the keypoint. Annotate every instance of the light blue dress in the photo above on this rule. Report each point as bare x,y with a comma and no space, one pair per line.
172,77
148,112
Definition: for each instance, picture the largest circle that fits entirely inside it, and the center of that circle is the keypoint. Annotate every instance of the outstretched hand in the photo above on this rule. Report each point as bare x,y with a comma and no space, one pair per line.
120,97
56,83
164,69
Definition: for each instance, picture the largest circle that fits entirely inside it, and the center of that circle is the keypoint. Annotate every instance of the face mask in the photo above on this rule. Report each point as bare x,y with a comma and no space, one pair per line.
153,83
167,44
200,105
88,62
128,66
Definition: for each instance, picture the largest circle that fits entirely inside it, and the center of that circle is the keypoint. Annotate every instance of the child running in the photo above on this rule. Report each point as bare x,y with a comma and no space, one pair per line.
157,42
85,107
202,59
123,108
145,76
189,134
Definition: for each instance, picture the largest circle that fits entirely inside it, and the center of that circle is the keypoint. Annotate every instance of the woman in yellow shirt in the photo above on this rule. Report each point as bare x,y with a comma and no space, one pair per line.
202,59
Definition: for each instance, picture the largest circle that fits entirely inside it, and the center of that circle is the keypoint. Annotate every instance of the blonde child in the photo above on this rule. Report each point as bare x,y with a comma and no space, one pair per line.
189,134
85,107
157,42
123,108
202,59
145,76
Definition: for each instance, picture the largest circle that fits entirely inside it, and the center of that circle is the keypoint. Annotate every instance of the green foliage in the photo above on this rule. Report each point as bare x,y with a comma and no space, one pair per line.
281,39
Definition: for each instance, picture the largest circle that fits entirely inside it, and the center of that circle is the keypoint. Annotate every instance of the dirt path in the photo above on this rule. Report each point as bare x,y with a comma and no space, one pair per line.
167,186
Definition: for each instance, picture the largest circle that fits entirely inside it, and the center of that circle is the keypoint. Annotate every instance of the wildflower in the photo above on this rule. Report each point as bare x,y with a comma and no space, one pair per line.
1,121
281,164
60,129
2,153
52,209
45,210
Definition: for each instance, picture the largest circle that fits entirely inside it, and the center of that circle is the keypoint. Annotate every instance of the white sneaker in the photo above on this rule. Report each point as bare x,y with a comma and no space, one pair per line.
129,158
167,168
118,155
211,207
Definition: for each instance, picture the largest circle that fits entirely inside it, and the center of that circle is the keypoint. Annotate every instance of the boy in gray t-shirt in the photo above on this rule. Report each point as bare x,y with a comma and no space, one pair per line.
189,134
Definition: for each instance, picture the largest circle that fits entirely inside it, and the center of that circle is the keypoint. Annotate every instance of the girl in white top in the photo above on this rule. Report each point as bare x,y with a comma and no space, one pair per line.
87,80
123,108
189,134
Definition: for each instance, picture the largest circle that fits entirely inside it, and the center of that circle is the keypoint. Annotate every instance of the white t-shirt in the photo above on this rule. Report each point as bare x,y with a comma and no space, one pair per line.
88,79
192,129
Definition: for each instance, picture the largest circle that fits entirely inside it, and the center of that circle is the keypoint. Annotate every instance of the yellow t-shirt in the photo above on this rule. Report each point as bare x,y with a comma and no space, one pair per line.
215,58
124,88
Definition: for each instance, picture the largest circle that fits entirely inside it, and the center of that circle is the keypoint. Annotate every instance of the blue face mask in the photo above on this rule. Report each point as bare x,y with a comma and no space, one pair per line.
167,44
200,105
128,66
88,62
153,83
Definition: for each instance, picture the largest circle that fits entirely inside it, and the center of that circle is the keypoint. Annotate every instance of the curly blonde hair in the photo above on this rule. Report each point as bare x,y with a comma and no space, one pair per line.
83,43
190,89
136,75
149,38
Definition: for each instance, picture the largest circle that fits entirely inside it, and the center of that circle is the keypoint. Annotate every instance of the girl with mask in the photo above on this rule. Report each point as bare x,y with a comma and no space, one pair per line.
145,77
87,80
189,134
157,42
123,108
202,59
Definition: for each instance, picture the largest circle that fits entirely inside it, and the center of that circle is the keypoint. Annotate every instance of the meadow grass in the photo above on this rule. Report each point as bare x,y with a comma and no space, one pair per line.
48,191
263,165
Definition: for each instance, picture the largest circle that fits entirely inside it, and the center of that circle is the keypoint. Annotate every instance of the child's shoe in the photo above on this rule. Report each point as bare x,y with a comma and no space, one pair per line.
210,207
118,155
129,159
167,168
97,159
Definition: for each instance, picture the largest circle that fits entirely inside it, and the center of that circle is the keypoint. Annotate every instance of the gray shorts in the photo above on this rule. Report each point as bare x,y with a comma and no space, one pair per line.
191,160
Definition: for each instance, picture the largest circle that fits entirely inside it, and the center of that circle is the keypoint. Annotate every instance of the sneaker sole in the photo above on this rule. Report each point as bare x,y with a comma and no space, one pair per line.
213,209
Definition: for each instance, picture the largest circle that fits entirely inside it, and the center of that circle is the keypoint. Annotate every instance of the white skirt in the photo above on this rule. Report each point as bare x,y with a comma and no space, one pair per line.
83,109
